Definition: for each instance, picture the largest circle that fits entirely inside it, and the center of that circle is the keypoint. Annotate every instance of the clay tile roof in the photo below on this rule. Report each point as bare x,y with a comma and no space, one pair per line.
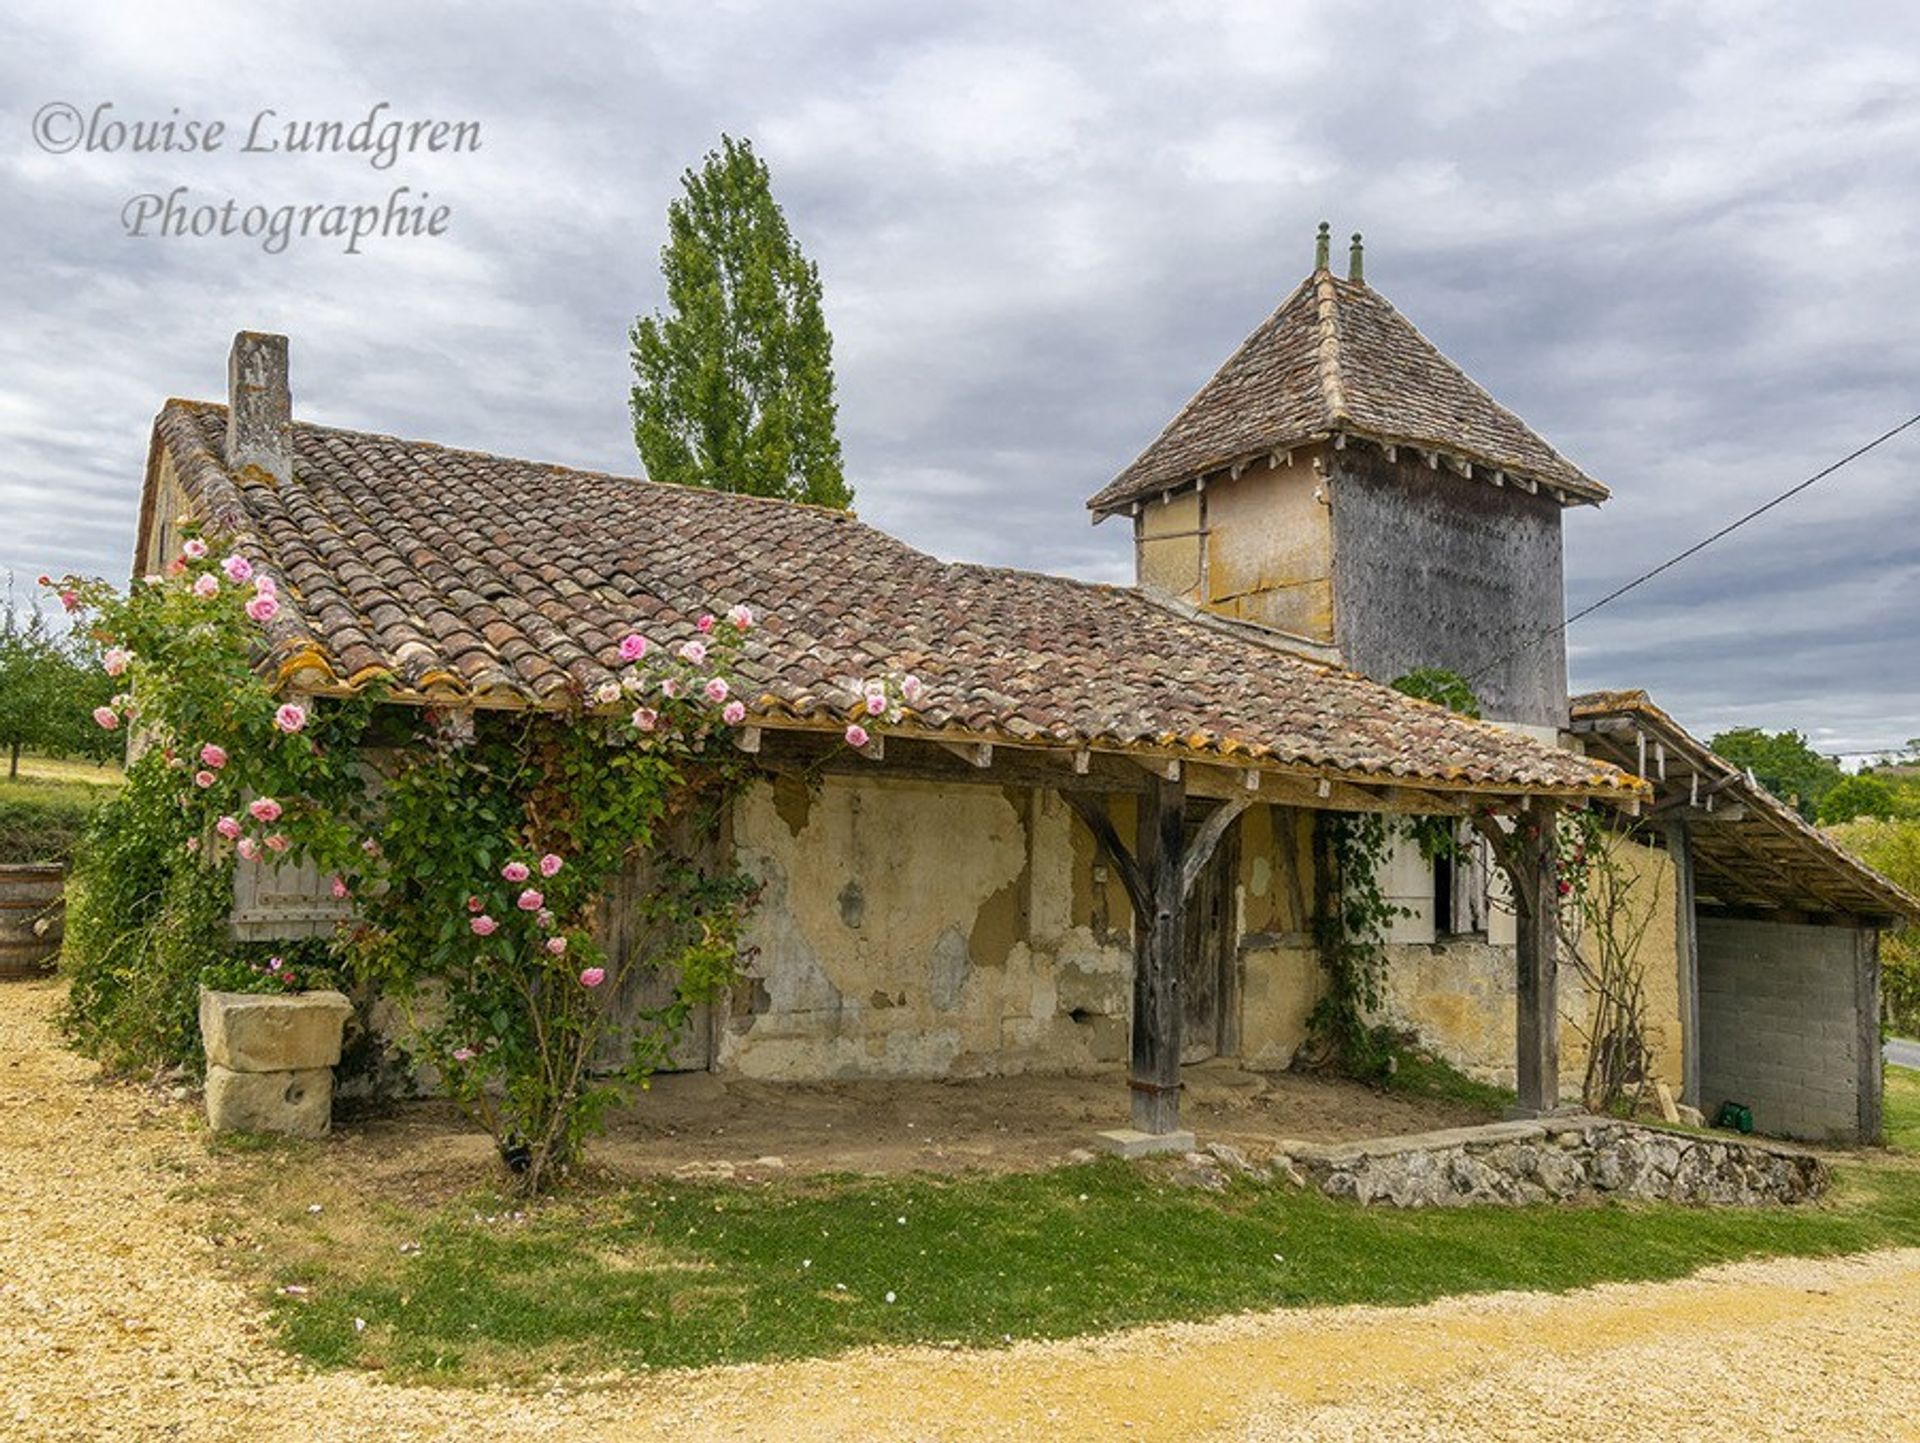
477,577
1337,357
1758,852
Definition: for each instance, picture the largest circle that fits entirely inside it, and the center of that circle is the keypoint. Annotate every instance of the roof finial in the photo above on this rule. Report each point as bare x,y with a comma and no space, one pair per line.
1323,247
1356,270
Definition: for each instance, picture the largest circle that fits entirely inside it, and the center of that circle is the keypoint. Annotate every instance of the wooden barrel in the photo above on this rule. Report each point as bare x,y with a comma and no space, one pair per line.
29,893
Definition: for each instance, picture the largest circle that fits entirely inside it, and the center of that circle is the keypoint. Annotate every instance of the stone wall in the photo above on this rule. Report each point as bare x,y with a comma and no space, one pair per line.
1556,1160
1781,1027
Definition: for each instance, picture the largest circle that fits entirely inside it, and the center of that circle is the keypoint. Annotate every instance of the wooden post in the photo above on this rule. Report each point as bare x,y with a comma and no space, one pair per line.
1536,889
1153,1074
1687,949
1867,1019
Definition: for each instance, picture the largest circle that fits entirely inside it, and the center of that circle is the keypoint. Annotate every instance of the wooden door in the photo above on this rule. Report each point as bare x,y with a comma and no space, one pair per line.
627,934
1209,1000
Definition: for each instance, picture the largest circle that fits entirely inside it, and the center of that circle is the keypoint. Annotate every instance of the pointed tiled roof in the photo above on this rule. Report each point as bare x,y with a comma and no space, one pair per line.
1337,357
464,578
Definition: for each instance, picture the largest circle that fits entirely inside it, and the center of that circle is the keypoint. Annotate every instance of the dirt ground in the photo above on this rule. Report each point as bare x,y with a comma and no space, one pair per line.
707,1123
117,1323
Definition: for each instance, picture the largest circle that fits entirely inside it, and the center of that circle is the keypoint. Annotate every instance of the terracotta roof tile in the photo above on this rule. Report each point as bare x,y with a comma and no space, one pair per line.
516,580
1336,356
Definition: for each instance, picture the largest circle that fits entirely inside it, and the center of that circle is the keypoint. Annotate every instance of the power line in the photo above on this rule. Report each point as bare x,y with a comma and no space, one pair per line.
1697,547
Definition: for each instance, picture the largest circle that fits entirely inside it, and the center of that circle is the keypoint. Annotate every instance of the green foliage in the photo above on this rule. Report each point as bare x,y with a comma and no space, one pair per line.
1441,687
42,821
1892,848
1859,796
47,685
475,860
144,918
676,1274
1349,930
1783,763
733,385
492,853
303,965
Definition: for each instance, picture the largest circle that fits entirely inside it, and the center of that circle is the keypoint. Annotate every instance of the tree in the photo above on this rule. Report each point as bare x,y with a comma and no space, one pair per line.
48,686
1856,797
733,385
1783,763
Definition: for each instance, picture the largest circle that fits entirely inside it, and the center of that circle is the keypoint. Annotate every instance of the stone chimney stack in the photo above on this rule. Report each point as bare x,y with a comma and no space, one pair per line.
259,406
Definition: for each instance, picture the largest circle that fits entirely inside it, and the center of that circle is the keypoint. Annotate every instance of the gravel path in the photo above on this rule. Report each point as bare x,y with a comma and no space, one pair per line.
115,1323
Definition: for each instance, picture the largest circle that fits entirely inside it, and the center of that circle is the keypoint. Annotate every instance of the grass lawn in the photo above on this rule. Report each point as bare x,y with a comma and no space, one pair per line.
665,1274
43,810
1902,1119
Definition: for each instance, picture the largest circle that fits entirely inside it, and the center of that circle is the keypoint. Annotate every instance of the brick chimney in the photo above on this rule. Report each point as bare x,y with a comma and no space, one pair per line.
259,406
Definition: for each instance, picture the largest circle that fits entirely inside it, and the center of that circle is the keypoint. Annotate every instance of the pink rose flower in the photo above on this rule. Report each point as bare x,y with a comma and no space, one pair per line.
593,976
670,687
207,585
704,624
717,690
483,925
741,617
228,827
645,718
204,778
607,693
474,904
876,704
193,844
910,688
516,872
263,585
694,652
369,846
116,660
194,549
530,901
238,569
857,735
550,864
264,809
263,608
734,714
556,945
291,717
176,567
633,646
278,842
213,756
339,888
464,1054
545,918
247,848
107,717
70,600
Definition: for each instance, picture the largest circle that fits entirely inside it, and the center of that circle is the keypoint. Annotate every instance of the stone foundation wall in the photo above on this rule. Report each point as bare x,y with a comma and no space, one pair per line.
1556,1160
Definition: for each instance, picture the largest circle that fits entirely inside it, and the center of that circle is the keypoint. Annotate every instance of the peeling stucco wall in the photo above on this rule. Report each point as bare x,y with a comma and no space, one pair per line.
1457,993
909,929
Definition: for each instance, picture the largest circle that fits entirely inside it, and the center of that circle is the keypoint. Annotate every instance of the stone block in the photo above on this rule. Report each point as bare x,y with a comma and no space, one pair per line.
272,1032
1125,1142
298,1103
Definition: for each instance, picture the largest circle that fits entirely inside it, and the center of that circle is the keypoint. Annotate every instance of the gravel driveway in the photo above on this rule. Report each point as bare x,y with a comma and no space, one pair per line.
115,1323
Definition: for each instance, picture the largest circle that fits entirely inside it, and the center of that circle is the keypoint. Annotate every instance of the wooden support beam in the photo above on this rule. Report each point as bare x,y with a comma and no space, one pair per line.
1093,812
976,754
1153,1072
1533,869
1687,950
1200,849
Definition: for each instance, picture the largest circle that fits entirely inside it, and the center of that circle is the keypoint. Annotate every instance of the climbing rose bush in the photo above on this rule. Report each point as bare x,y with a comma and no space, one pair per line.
474,848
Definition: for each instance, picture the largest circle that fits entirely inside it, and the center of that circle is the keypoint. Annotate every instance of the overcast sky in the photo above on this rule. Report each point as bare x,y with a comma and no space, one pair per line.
1679,240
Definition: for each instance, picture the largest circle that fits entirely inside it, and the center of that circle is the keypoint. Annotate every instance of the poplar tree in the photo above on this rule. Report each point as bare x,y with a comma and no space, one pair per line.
733,382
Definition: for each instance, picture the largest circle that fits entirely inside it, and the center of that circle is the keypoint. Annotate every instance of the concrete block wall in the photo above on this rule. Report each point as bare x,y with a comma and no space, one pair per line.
1781,1027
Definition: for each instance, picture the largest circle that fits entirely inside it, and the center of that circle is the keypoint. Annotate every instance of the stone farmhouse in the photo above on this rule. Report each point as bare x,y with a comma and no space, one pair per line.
1096,841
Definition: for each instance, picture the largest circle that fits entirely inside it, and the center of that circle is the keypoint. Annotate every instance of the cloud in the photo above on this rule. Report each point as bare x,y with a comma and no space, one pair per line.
1676,239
